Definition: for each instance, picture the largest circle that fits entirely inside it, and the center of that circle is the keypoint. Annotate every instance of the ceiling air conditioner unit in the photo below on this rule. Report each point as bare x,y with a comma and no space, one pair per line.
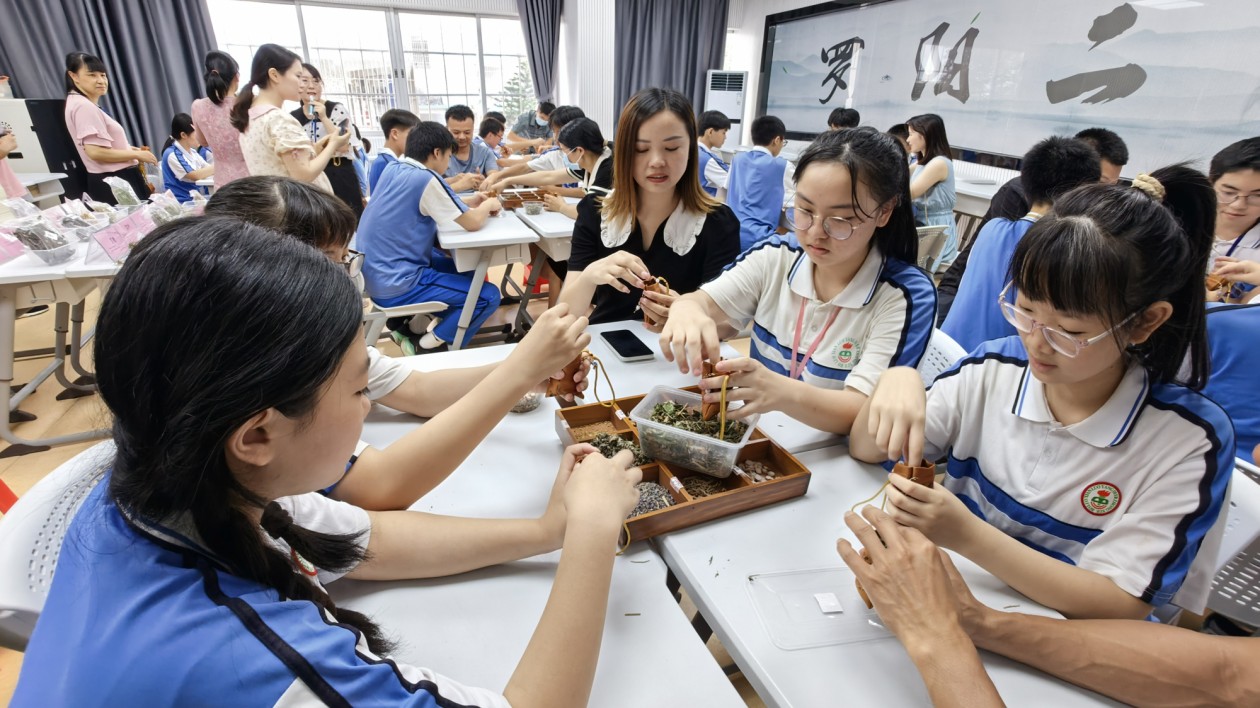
724,91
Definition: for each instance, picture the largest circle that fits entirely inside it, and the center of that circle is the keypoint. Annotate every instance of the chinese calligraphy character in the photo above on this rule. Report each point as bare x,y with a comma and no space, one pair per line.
1110,84
928,65
840,57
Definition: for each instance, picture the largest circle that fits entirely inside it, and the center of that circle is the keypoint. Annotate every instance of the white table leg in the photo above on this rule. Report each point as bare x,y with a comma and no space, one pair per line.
474,291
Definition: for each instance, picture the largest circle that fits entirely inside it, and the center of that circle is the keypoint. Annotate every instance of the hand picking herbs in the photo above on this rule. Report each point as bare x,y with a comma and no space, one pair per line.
652,497
609,445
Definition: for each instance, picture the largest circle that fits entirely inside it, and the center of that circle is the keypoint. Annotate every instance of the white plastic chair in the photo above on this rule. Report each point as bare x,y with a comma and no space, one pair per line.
1236,587
375,319
942,353
31,535
931,242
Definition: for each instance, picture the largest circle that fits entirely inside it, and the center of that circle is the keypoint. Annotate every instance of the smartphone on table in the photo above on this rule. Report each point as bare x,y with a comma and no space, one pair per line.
627,346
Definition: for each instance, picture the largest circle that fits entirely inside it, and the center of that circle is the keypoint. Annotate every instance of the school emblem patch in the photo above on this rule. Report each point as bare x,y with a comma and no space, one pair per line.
1101,498
303,565
847,353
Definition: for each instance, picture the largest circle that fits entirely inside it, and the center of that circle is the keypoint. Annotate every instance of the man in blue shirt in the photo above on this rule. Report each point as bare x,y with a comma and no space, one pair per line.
470,162
398,232
395,124
760,183
1051,168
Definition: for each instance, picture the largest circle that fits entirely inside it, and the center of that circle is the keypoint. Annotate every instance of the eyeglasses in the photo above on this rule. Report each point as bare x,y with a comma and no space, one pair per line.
836,227
353,263
1060,341
1229,197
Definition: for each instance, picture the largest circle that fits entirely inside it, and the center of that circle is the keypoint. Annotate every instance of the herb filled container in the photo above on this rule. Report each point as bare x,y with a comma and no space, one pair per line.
695,451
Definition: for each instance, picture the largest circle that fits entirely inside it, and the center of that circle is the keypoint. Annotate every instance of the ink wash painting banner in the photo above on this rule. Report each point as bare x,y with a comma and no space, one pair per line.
1177,79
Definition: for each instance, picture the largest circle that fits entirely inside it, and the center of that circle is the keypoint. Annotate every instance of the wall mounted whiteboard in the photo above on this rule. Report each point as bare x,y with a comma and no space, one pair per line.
1177,79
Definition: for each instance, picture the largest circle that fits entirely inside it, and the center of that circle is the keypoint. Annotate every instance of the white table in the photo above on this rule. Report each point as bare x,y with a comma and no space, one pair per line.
45,187
555,231
503,239
27,281
713,562
475,626
976,184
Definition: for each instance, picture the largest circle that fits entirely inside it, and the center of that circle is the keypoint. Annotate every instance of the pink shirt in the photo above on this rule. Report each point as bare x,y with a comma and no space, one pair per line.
88,125
9,181
215,125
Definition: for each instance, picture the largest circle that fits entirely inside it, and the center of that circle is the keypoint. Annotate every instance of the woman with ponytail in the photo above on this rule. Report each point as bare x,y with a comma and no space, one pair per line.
1080,471
849,273
232,361
272,141
212,118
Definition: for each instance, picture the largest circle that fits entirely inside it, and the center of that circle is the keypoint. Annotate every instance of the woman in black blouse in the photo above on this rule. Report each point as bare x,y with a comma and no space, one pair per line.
658,222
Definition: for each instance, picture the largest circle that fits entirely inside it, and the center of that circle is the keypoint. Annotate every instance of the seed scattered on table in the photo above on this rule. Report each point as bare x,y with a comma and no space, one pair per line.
652,497
701,487
583,433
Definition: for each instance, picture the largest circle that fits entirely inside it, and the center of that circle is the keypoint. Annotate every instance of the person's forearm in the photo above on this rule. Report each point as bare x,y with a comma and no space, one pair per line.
1136,662
558,666
473,219
104,154
952,671
825,409
426,394
542,179
576,192
577,293
861,443
396,476
409,544
1075,592
193,176
307,169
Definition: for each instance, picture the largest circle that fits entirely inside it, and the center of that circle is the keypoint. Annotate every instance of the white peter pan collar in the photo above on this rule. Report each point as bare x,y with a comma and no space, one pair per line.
681,230
1108,426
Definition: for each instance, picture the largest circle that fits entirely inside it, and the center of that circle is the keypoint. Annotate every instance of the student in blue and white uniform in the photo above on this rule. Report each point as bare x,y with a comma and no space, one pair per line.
1080,472
829,313
1234,340
398,232
932,181
395,124
1052,167
760,183
461,406
713,127
195,570
1235,175
470,163
182,164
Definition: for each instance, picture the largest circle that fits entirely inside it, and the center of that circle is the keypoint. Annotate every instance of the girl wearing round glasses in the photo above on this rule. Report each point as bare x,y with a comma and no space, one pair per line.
1235,175
1080,472
828,315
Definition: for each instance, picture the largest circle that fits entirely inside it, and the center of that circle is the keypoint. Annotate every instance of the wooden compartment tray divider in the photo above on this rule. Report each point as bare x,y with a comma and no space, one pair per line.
738,494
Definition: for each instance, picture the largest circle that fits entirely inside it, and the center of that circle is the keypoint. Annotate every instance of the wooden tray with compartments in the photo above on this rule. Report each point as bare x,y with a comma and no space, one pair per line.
737,493
516,198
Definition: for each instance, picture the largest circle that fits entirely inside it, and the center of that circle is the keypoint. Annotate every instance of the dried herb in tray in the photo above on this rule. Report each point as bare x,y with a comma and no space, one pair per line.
677,415
609,445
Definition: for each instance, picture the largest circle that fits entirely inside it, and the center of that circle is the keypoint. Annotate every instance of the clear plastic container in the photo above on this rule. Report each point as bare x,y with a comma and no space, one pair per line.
701,453
53,256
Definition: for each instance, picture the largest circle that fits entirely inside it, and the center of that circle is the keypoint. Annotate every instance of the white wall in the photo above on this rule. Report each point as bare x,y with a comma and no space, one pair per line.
746,26
587,51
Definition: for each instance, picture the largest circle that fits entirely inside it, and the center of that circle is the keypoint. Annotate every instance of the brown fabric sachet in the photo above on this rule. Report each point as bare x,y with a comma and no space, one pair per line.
924,474
709,411
655,285
565,386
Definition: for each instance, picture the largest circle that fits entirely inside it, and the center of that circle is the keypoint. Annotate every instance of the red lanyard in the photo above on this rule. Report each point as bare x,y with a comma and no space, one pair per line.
797,369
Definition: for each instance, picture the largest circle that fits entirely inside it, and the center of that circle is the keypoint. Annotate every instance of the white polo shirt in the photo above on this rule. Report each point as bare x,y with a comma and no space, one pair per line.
385,374
1132,493
552,159
1244,248
884,319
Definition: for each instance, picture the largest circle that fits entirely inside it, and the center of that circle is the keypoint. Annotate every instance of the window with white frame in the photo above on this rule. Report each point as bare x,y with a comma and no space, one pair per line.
374,59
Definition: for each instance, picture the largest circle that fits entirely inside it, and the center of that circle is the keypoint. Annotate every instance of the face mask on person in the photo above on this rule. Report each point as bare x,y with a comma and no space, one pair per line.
569,164
540,122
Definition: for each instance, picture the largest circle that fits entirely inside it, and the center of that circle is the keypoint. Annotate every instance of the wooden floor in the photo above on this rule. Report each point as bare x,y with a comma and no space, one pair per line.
56,417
